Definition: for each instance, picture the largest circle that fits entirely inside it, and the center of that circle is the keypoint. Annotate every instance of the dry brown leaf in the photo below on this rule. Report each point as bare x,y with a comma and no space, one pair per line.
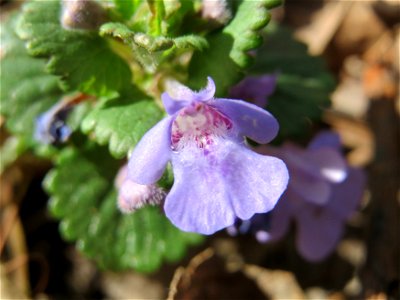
276,284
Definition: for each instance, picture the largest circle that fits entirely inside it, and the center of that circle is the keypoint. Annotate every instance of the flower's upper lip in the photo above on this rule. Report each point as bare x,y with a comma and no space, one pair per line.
180,96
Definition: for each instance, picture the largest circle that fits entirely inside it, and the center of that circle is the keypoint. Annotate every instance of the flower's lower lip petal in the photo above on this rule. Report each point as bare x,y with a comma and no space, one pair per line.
312,189
211,190
198,201
252,121
318,232
347,195
281,217
151,155
256,181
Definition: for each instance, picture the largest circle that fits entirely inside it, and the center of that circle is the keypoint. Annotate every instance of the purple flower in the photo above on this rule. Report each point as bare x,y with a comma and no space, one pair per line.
132,196
255,88
51,127
216,176
322,194
258,225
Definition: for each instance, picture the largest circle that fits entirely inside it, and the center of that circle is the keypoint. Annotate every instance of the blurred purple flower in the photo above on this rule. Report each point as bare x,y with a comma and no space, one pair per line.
256,89
51,127
132,196
216,176
258,225
322,194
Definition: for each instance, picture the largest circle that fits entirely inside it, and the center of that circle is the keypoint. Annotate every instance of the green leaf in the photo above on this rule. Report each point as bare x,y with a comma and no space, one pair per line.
176,11
26,90
150,51
150,43
122,122
136,39
250,17
126,8
228,49
157,9
84,199
191,41
303,86
82,59
214,62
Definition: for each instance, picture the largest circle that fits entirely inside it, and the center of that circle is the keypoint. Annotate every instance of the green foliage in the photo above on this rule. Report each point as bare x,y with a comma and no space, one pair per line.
82,59
229,47
126,8
150,51
250,17
155,18
191,42
304,84
175,13
122,122
150,43
84,199
157,9
26,90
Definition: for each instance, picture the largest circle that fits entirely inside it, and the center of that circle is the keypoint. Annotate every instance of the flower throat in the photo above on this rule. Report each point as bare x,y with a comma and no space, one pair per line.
199,124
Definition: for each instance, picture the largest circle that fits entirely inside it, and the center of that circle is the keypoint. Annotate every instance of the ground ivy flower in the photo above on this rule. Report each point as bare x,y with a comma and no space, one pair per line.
216,176
323,192
132,196
51,127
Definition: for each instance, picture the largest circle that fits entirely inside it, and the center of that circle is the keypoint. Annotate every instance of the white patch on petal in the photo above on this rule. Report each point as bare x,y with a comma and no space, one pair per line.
334,174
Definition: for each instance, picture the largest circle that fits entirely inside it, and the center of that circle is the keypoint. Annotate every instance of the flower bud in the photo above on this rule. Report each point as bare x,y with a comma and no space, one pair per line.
216,11
132,196
82,14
